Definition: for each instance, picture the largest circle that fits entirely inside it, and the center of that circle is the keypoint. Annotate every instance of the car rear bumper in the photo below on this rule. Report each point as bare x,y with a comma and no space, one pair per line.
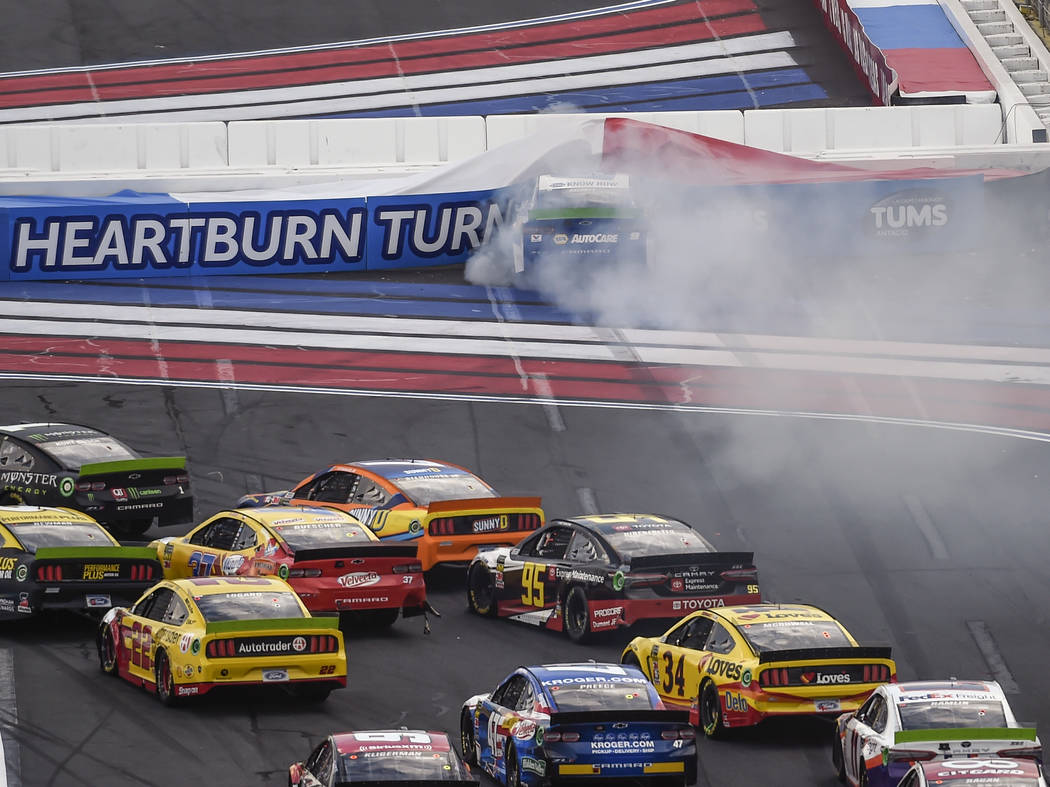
459,549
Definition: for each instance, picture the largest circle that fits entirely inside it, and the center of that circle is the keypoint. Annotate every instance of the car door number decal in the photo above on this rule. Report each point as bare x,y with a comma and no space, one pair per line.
201,563
141,646
532,588
674,675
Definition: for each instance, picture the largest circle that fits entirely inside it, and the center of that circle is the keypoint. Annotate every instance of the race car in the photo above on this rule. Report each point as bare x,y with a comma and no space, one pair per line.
597,723
58,558
604,571
334,563
407,757
51,464
906,723
735,666
185,637
448,511
986,773
578,220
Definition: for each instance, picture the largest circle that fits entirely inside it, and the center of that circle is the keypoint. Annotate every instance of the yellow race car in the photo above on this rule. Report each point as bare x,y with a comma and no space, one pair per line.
185,637
735,666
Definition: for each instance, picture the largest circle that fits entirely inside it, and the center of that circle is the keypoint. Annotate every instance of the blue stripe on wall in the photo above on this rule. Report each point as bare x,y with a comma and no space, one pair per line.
909,27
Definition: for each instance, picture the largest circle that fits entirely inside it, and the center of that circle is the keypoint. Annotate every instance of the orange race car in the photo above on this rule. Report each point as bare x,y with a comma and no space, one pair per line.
447,510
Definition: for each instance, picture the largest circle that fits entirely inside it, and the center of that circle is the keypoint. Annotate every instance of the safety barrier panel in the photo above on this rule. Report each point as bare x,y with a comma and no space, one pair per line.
872,128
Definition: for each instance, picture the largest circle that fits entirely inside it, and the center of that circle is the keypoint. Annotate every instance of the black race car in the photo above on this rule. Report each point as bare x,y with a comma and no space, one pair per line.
58,558
86,469
600,572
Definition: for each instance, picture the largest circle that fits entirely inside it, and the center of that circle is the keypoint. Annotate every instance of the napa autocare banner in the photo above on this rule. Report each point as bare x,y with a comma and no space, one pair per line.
130,234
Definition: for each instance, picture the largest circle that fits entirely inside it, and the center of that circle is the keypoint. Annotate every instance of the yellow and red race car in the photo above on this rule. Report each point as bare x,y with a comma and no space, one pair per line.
185,637
447,510
335,563
735,666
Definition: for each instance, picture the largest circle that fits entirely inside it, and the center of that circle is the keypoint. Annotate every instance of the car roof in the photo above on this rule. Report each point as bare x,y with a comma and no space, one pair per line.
608,524
213,586
962,770
349,742
47,432
926,690
297,515
14,515
583,669
745,614
393,469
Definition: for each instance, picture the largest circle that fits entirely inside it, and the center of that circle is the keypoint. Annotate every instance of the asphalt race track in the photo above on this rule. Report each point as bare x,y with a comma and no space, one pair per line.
913,537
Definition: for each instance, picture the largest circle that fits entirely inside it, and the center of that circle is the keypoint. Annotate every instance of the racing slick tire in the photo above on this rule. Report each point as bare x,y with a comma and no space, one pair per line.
513,769
863,780
577,615
466,737
165,680
481,591
107,652
631,661
836,758
313,692
129,528
711,720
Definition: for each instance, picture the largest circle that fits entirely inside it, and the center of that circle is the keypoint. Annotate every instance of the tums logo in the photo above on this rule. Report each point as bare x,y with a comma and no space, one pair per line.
909,213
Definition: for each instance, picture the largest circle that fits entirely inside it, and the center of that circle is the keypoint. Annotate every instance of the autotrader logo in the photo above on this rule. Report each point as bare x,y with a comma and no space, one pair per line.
299,644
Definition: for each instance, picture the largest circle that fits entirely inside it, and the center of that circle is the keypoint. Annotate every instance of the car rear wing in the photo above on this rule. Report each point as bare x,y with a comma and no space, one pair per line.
358,550
1016,736
316,623
601,716
96,553
414,782
506,504
815,654
130,465
702,559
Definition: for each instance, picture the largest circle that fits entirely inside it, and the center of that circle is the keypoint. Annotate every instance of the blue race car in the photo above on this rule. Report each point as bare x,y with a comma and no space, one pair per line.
577,722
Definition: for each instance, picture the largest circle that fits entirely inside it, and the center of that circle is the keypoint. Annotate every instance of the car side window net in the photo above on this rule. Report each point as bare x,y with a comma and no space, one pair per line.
583,549
720,640
334,488
554,543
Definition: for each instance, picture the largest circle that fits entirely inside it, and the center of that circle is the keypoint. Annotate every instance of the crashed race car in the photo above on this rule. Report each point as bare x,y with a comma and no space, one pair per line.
920,721
58,558
447,511
605,571
51,464
577,220
335,563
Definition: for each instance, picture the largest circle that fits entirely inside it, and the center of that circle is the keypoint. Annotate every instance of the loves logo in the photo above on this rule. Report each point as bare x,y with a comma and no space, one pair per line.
825,677
808,677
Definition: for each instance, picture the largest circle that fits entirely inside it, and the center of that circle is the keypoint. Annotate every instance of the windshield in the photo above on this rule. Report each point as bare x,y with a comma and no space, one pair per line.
75,453
426,489
940,714
398,765
607,692
788,635
254,605
322,534
34,535
656,538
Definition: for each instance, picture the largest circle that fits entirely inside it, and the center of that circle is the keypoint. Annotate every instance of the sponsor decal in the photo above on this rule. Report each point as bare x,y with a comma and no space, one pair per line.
414,526
490,524
575,575
363,600
595,237
623,746
299,644
698,603
186,691
617,581
824,677
7,567
908,212
524,729
185,641
275,675
28,479
745,678
430,231
262,646
231,564
187,671
608,613
735,703
100,601
7,605
359,579
66,487
532,765
827,706
195,648
119,493
561,239
282,572
23,604
139,506
728,669
98,571
536,237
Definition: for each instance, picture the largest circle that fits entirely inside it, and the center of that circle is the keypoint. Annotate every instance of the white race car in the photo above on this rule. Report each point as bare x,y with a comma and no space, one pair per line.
904,723
988,773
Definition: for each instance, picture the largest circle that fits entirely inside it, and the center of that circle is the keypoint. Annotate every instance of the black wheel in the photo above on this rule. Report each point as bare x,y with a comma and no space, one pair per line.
481,591
690,771
513,773
129,528
630,660
836,757
107,652
313,692
165,681
577,615
863,780
711,720
381,618
466,737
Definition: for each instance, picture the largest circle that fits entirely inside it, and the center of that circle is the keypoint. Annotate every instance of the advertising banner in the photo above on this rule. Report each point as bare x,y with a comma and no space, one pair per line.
868,60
